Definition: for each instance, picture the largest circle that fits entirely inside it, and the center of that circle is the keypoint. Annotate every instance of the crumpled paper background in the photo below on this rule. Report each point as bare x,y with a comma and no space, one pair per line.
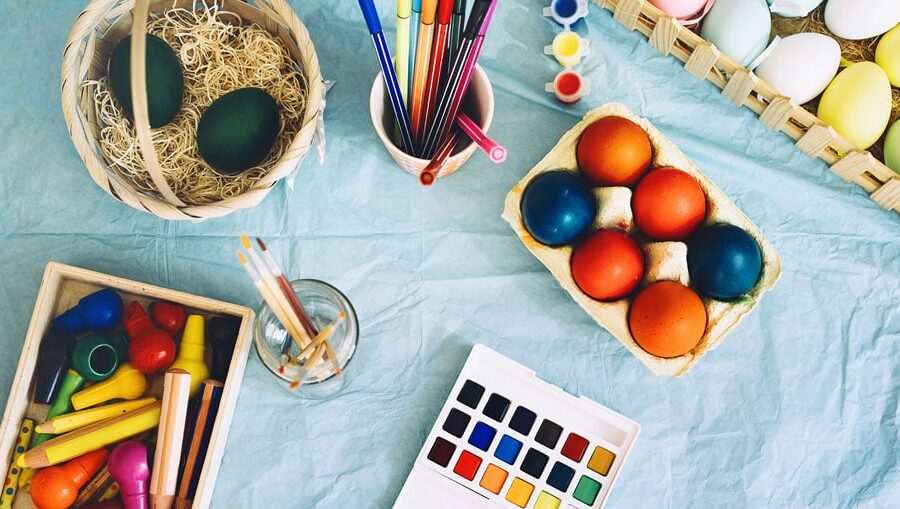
797,408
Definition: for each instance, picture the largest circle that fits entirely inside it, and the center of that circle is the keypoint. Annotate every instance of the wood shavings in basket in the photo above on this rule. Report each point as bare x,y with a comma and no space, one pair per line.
218,54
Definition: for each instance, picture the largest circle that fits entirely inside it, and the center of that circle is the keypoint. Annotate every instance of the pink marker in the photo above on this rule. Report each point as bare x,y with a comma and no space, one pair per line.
495,151
128,466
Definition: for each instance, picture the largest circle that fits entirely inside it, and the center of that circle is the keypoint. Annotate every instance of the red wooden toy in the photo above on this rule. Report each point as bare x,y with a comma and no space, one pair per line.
57,487
151,349
168,316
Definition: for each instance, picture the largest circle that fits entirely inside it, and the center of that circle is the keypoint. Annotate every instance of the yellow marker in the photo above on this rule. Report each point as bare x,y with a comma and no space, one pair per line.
12,476
91,438
126,383
190,352
68,422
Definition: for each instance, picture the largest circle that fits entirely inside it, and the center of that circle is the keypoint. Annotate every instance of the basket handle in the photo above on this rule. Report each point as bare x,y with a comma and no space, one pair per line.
139,101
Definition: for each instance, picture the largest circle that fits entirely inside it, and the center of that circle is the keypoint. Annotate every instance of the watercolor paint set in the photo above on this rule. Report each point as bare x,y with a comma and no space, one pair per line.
506,438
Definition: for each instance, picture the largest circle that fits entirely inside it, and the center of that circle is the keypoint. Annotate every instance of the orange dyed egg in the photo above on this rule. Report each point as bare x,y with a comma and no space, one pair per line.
667,319
608,265
614,151
668,204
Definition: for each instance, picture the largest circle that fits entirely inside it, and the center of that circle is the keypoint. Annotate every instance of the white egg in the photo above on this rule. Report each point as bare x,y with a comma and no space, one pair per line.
739,28
793,8
861,19
800,66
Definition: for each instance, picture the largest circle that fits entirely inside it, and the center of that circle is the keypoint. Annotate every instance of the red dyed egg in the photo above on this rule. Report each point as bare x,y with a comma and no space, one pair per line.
668,204
608,265
614,151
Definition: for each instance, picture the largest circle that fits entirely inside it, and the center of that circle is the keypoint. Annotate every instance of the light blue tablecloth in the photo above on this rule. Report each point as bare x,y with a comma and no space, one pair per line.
797,408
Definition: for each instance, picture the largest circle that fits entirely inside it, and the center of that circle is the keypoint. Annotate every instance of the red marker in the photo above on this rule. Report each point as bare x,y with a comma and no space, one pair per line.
436,68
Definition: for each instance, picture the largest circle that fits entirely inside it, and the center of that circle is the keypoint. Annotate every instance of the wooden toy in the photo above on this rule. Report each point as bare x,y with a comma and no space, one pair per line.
57,487
91,438
61,288
95,487
129,466
12,475
109,504
195,449
151,349
176,393
126,383
75,420
101,310
53,361
168,316
95,358
191,351
221,334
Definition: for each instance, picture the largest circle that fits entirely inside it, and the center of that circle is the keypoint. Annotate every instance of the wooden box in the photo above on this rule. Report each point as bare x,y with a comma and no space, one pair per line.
613,316
742,87
61,288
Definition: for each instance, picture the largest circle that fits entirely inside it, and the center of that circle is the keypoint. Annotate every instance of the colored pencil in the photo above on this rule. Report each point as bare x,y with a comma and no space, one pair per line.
75,420
429,174
415,13
420,72
370,13
175,397
11,484
456,28
92,490
287,289
495,151
459,75
436,66
401,62
195,449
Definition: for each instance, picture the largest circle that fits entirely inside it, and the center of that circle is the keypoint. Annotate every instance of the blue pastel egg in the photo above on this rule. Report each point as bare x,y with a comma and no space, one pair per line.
557,207
724,261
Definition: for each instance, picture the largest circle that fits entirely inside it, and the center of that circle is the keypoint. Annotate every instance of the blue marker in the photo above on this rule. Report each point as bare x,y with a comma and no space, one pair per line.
387,68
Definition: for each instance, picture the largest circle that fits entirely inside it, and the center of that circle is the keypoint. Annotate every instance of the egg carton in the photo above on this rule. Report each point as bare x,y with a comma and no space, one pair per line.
663,260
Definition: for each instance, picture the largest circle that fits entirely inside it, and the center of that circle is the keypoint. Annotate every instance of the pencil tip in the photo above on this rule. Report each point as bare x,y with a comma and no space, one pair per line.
245,241
262,245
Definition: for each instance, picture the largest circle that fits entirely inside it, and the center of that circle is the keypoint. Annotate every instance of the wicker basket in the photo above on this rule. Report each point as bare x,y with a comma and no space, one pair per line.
740,86
105,22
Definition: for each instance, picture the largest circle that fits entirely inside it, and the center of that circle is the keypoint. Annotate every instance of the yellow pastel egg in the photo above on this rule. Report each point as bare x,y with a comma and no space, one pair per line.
857,103
887,55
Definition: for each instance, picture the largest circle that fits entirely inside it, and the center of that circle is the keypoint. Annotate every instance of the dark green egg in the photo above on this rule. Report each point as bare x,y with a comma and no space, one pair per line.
165,84
238,130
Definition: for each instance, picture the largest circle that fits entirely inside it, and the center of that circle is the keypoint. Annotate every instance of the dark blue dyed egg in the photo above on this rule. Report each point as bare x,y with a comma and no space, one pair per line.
724,261
557,207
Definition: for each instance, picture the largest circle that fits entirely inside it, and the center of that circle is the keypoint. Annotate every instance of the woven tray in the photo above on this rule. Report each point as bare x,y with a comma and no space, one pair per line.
740,86
665,260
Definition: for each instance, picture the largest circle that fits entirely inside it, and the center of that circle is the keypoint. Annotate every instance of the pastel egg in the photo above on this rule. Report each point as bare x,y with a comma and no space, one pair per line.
613,151
739,28
724,261
800,66
887,55
557,207
892,147
680,9
667,319
861,19
793,8
608,265
857,103
668,204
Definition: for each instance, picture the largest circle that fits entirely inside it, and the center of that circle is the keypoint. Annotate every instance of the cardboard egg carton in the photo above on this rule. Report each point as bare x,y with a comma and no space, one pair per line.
663,260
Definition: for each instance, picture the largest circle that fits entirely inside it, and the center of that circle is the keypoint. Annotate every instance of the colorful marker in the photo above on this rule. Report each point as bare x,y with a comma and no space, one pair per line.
460,74
456,28
495,151
436,66
12,475
415,14
420,72
401,63
429,174
387,68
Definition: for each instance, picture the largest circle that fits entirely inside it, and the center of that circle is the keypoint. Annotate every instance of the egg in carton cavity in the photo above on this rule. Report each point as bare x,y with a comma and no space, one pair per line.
663,260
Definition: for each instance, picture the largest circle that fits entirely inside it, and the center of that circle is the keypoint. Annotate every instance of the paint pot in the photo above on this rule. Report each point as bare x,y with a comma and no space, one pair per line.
568,48
568,86
323,303
566,12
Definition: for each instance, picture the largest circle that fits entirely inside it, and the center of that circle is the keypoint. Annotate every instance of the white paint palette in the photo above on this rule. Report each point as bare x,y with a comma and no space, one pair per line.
506,438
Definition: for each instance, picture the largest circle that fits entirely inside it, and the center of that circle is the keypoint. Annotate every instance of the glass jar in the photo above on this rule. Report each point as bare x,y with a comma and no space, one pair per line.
323,303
